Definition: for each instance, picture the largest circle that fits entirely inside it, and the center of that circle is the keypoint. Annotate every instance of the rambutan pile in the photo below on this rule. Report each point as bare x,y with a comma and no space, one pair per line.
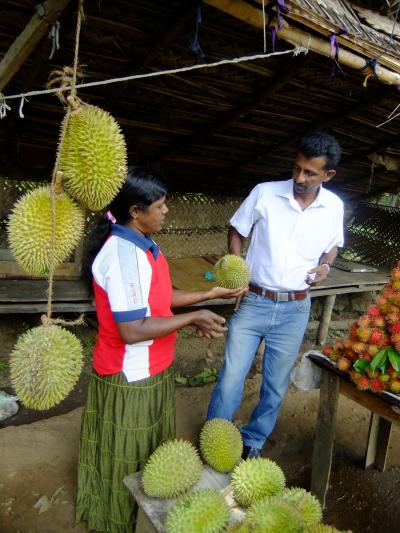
370,353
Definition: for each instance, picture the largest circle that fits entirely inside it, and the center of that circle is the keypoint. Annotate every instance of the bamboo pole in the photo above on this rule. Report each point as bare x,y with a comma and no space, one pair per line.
247,13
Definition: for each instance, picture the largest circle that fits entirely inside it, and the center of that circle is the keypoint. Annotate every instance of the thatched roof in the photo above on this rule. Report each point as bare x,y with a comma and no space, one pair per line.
222,129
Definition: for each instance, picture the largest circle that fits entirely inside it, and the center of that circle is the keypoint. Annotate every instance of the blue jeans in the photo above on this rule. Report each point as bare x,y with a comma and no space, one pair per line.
282,325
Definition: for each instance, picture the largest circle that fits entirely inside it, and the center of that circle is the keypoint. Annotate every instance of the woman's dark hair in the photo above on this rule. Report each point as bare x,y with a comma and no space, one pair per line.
141,188
318,143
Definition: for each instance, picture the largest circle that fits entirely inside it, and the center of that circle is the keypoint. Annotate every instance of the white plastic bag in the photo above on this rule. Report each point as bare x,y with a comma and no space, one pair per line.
306,375
8,405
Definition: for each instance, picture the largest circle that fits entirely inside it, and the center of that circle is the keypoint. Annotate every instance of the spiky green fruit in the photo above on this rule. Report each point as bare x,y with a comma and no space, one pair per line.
307,504
30,230
204,511
256,478
221,444
45,365
93,157
276,517
324,528
172,469
231,272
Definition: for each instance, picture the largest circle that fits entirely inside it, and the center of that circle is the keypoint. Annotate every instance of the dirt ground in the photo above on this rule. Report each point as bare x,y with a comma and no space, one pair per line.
39,460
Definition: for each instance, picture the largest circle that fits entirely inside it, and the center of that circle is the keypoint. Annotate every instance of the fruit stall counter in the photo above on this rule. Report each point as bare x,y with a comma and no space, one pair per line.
153,511
28,295
384,409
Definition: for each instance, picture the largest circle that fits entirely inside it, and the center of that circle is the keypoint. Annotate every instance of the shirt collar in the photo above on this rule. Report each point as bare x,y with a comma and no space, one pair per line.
287,192
142,241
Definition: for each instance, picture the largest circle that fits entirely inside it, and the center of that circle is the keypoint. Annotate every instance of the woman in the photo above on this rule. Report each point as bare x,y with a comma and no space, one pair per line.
130,407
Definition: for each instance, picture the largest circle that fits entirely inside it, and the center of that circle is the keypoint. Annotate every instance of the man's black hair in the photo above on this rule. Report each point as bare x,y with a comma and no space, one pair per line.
319,143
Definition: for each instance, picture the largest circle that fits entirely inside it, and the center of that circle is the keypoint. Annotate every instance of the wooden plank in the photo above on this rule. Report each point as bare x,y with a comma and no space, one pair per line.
34,308
11,269
187,273
29,291
370,401
23,45
325,319
324,435
378,442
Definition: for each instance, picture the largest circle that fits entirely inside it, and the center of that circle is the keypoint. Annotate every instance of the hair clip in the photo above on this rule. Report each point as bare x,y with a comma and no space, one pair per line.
111,217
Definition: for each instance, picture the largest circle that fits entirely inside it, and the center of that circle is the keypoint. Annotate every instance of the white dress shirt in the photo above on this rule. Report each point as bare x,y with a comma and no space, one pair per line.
286,241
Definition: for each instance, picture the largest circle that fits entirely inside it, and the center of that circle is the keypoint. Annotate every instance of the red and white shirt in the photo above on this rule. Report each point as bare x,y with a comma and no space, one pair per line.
131,281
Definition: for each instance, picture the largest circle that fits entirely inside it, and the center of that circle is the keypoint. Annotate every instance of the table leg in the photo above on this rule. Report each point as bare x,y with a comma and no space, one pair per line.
143,524
378,442
324,435
323,327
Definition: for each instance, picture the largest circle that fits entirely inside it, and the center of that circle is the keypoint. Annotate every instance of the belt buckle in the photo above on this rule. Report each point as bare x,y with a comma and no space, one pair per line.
282,297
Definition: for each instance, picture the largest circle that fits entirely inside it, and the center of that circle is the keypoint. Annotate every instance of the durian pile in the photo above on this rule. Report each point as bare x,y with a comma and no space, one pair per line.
257,484
370,352
46,361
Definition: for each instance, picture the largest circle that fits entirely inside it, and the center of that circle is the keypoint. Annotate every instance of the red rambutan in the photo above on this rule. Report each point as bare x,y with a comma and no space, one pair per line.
373,311
339,344
363,322
366,356
363,333
363,383
396,341
370,373
327,350
355,376
395,328
348,343
393,318
379,322
377,337
358,347
375,385
373,349
381,301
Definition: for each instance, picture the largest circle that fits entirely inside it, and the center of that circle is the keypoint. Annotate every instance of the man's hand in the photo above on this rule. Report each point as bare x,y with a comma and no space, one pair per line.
317,275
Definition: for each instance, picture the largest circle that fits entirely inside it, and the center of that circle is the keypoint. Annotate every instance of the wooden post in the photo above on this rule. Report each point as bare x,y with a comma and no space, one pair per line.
26,41
327,309
324,435
378,442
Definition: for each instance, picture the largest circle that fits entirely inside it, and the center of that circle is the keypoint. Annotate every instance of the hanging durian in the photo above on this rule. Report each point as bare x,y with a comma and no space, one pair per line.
231,272
45,365
30,229
93,157
172,469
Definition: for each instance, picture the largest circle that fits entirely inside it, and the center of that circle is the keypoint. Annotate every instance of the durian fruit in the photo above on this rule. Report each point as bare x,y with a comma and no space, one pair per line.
307,504
30,229
172,469
221,444
255,479
231,272
278,517
93,157
324,528
45,365
204,511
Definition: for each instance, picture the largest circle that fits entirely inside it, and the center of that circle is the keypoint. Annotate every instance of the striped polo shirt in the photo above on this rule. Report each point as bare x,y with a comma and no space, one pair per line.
131,281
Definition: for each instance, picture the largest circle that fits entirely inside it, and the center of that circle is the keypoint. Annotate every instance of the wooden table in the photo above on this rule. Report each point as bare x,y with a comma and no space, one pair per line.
153,511
385,411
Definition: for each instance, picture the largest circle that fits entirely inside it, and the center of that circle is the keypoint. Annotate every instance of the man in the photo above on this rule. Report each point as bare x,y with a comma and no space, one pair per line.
297,227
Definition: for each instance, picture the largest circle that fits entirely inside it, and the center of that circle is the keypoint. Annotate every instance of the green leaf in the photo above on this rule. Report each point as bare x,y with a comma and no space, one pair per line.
361,365
394,358
181,379
379,361
3,365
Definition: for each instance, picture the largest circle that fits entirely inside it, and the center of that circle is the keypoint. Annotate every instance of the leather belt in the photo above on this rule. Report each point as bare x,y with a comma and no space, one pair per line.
279,296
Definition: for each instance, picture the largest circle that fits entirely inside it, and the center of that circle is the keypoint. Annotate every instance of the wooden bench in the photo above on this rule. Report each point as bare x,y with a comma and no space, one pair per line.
384,409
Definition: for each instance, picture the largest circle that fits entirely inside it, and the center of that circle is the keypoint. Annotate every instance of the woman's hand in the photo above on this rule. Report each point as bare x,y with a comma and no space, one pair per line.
220,292
209,324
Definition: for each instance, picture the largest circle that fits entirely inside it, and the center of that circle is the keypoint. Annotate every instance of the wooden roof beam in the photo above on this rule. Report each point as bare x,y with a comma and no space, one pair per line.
26,42
247,13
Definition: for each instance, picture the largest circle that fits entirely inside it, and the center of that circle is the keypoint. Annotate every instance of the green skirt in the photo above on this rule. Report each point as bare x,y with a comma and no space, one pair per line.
123,423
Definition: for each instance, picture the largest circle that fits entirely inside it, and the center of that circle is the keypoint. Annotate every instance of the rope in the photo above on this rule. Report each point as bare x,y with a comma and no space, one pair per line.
297,50
56,182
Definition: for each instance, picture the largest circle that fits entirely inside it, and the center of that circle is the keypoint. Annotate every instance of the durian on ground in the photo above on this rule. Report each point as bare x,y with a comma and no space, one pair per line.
255,479
199,512
277,517
172,469
231,272
45,365
93,157
221,444
30,230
